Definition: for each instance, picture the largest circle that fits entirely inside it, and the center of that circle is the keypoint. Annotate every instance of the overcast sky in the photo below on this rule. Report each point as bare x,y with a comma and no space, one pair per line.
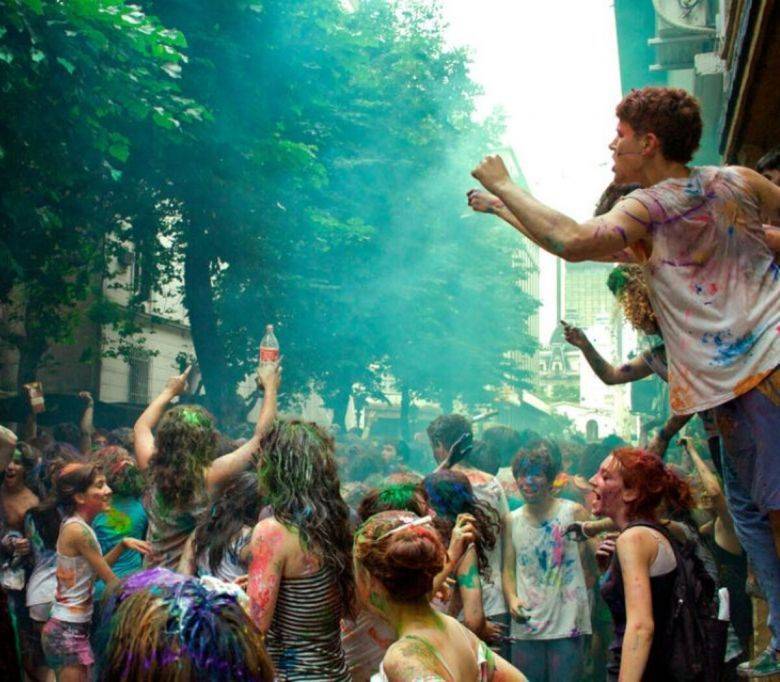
552,65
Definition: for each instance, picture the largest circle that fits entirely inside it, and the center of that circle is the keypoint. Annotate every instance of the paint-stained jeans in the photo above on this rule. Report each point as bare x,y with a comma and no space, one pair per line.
755,535
750,429
550,660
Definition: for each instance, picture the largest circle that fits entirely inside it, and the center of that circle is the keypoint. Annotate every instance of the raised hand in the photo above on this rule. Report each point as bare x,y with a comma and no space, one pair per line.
484,202
86,396
178,384
140,546
574,335
491,172
269,375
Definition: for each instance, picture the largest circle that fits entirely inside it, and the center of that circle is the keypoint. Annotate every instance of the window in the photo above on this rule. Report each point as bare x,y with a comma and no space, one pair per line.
592,430
138,380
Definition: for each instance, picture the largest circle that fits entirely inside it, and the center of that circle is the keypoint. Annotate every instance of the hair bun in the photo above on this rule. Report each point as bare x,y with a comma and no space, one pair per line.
416,549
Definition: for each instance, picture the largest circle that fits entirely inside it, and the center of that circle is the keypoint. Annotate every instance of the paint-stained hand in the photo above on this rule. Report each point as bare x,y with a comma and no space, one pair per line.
445,591
269,375
176,385
517,609
605,551
577,531
463,534
242,581
491,172
21,546
491,631
484,202
574,335
86,396
140,546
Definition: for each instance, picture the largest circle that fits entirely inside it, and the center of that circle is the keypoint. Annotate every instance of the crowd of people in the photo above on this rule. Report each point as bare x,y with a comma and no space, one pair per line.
170,551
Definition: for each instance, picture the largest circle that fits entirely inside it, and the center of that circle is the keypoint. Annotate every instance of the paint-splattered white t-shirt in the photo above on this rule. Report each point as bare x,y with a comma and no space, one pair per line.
550,579
714,286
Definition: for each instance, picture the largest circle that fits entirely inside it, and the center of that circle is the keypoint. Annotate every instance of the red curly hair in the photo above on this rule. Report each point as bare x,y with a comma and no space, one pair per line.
645,473
673,115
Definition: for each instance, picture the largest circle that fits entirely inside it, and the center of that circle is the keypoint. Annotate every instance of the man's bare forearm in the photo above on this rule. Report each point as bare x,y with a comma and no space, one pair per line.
603,369
552,230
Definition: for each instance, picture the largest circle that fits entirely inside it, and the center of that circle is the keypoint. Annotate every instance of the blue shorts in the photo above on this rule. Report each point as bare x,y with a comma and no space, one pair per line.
750,428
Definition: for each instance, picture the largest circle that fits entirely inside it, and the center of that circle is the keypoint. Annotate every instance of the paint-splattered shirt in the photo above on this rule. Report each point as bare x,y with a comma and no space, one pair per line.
169,527
550,579
714,286
73,600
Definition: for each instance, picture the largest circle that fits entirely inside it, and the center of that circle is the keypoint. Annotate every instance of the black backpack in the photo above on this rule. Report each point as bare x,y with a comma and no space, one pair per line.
694,640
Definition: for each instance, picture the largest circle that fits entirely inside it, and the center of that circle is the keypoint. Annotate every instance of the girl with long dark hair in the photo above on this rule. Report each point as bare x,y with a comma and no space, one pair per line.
182,463
82,493
450,494
219,546
300,578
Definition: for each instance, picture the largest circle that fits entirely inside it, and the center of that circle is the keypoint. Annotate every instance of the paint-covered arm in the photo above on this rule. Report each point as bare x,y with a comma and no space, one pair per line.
187,562
626,224
266,570
470,589
509,573
667,432
636,551
86,425
767,192
708,479
227,466
143,438
77,538
485,202
633,370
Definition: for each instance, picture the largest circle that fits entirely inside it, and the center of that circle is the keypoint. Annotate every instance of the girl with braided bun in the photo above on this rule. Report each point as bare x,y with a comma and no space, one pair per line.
396,558
182,465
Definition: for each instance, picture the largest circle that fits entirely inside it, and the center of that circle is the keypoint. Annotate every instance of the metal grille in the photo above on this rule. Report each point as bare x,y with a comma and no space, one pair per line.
138,381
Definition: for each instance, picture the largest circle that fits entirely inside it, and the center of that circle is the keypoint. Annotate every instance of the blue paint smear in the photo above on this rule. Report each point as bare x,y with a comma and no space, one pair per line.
728,352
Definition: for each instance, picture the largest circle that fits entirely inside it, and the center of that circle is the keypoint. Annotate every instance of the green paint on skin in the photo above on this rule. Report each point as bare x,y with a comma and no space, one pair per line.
378,602
470,579
556,246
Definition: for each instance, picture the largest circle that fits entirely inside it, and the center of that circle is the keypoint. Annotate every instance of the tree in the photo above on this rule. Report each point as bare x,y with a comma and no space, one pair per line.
77,75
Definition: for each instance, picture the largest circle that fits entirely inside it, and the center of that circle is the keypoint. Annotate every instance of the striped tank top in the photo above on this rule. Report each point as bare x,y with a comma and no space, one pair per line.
304,640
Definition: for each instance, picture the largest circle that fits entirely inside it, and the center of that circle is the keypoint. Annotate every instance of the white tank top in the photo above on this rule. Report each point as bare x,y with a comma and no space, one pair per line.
714,286
75,583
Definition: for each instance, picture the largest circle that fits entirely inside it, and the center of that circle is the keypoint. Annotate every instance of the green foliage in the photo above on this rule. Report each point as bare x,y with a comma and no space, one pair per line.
294,162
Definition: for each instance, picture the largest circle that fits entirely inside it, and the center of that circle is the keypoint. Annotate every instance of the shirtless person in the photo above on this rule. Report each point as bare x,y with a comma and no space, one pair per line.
714,284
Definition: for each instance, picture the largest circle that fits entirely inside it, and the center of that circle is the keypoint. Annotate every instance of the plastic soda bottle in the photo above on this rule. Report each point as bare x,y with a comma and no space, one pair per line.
269,346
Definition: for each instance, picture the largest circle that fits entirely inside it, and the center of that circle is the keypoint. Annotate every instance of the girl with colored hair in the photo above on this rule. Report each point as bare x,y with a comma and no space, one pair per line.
182,465
300,578
450,494
396,558
219,546
629,486
82,493
191,632
126,516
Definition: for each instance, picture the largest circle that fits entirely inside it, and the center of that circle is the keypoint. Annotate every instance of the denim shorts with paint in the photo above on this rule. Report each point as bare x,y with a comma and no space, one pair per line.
750,428
66,644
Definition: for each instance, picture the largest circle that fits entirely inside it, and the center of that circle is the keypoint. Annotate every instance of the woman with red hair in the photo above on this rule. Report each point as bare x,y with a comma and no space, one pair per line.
628,488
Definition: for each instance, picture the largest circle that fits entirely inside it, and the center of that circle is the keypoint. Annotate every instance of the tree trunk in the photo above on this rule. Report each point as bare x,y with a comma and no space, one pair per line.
340,404
406,401
199,301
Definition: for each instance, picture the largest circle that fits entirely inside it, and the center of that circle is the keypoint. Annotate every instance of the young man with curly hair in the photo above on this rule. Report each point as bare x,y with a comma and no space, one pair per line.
715,288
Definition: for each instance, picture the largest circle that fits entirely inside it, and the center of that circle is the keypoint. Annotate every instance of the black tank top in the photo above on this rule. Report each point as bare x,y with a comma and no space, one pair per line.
661,588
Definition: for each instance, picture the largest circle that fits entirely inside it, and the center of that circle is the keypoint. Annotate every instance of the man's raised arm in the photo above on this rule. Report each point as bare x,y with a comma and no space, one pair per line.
562,236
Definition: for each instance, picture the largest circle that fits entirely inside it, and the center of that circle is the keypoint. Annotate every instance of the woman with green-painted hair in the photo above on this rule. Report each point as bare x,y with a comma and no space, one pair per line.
300,576
397,556
182,465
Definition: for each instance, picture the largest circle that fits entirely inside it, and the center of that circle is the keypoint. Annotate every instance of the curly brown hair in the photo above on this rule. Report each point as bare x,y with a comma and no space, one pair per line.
673,115
186,444
627,283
